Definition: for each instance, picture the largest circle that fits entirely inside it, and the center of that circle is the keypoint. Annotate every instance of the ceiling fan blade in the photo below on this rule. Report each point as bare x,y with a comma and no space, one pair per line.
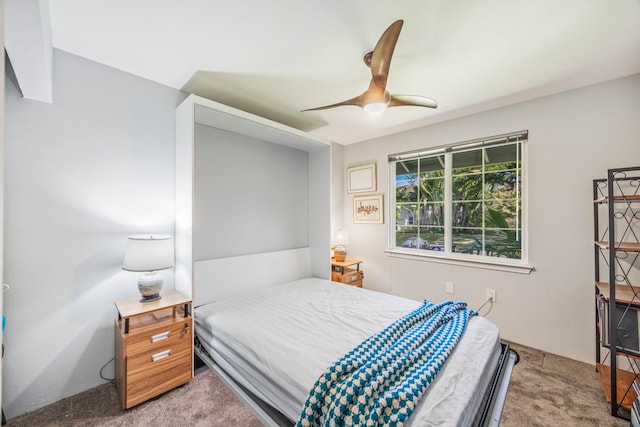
381,56
357,101
418,101
377,98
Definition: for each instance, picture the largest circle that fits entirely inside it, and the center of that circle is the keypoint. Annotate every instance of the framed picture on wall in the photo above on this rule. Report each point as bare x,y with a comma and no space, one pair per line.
368,209
361,179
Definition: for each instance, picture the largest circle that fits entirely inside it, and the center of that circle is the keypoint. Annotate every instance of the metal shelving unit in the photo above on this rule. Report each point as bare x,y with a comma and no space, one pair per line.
617,260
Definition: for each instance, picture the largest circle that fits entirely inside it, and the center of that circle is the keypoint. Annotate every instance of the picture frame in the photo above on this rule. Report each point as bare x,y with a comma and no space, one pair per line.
368,209
361,178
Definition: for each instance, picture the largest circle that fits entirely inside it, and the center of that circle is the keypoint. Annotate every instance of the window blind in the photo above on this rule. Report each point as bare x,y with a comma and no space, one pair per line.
462,146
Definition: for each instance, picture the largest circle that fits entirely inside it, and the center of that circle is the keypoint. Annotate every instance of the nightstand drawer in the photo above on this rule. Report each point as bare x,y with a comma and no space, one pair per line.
157,355
352,276
349,277
148,378
160,337
357,283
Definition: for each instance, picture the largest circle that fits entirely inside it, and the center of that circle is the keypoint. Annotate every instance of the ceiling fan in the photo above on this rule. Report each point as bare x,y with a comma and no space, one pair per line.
376,99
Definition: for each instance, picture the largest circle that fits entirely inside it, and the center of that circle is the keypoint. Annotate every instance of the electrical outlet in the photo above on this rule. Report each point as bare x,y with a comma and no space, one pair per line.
448,287
491,294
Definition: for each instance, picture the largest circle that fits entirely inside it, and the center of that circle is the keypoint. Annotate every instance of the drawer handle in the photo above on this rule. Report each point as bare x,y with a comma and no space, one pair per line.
161,355
160,337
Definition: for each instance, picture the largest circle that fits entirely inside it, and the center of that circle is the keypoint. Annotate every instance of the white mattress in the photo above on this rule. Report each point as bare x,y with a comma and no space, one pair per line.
278,340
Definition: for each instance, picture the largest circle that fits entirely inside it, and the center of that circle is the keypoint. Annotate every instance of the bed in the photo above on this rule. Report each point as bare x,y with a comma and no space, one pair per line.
233,264
270,345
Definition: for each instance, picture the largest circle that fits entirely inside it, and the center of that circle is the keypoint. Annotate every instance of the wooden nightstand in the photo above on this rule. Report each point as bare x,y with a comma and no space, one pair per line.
153,345
344,272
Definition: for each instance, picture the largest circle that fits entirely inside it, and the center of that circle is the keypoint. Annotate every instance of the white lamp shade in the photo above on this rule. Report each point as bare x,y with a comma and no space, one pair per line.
148,253
340,237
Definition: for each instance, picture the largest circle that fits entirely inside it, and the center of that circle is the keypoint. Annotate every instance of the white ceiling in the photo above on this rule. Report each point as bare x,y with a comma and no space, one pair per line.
276,58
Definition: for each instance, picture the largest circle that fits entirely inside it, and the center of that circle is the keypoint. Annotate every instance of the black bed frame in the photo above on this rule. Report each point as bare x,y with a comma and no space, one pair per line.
488,415
493,402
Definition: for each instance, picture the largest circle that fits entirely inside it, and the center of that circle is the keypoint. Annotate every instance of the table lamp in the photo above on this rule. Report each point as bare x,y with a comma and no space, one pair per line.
340,238
149,253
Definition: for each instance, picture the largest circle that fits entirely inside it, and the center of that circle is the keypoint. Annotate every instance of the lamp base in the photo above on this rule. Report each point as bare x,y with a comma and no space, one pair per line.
151,298
340,253
150,285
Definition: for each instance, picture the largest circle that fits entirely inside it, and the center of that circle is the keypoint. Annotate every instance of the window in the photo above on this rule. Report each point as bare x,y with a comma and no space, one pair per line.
463,201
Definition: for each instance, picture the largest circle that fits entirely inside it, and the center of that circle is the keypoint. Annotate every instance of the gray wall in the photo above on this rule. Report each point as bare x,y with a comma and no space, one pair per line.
81,174
574,137
248,189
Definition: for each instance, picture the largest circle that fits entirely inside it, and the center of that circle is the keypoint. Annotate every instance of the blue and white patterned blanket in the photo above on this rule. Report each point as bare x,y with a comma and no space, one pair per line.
379,382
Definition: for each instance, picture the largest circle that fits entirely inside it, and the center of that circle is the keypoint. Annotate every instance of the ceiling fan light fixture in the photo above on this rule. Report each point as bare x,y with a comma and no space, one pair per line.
375,107
375,100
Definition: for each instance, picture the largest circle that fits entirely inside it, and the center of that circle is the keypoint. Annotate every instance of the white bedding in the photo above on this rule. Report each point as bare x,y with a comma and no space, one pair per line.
278,340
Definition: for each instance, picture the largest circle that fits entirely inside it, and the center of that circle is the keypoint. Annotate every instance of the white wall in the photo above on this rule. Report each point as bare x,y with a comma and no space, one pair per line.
337,186
574,137
81,174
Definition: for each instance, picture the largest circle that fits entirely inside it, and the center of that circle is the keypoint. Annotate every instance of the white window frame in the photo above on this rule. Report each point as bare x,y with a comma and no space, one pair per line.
447,257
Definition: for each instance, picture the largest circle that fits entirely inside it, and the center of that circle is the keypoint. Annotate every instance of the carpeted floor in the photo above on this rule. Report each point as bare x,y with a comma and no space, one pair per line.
549,390
546,390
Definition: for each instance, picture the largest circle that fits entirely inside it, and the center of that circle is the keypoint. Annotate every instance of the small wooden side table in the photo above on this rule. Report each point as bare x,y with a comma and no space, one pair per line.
345,272
153,346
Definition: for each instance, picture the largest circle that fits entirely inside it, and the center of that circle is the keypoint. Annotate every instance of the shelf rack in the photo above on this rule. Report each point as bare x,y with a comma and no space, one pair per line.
616,255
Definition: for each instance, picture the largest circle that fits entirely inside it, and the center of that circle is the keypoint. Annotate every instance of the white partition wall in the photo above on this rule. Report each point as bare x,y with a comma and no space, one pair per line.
320,213
184,197
1,183
249,193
